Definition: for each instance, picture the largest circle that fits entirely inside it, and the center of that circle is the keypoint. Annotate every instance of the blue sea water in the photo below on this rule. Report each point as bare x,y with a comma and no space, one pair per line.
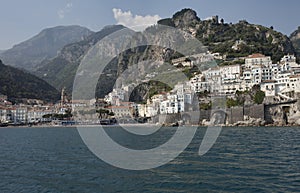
260,159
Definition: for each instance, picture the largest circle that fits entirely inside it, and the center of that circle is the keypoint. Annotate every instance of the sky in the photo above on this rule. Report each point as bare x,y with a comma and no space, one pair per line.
21,20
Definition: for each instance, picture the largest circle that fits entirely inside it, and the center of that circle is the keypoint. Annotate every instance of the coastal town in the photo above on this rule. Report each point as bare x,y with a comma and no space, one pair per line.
279,82
149,96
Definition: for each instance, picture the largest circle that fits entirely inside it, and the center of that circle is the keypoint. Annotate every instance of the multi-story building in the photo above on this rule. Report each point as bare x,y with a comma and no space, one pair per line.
19,114
5,115
257,60
199,84
123,110
269,87
230,73
34,116
171,105
115,97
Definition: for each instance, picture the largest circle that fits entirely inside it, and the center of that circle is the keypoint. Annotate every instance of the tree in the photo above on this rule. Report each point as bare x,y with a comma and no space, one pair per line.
231,102
259,97
102,112
68,114
205,106
111,113
222,21
47,116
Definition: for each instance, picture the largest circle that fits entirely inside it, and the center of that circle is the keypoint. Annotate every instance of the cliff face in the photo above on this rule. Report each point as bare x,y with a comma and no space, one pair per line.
185,18
295,38
61,70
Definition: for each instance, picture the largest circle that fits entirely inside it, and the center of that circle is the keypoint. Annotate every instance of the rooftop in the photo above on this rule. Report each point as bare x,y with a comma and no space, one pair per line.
256,55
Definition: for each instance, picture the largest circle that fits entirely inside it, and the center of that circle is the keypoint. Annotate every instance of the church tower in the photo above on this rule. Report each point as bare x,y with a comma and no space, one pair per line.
63,97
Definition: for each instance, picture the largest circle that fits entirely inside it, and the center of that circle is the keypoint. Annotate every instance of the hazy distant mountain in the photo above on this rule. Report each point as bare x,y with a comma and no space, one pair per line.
17,84
61,70
28,54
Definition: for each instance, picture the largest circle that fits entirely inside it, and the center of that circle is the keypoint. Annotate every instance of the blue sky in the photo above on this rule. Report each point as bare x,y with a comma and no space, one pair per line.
21,20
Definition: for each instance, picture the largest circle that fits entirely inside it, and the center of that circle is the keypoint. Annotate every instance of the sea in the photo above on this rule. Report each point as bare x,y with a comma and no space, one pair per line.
243,159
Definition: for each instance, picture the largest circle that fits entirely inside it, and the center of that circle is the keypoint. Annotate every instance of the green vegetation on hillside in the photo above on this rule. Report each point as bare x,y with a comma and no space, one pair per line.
17,84
255,95
253,39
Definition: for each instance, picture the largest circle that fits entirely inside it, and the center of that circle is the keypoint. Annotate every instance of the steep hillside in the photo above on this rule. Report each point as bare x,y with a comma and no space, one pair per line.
17,84
28,54
60,71
295,38
233,40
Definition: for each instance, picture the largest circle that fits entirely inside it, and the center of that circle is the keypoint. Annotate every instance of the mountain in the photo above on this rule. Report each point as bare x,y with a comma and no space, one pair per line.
295,38
17,84
61,70
28,54
231,40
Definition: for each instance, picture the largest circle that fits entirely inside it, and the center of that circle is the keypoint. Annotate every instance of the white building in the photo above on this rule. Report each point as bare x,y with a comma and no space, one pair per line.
19,114
171,105
34,116
288,63
230,73
115,97
5,115
269,87
213,76
199,84
257,59
295,82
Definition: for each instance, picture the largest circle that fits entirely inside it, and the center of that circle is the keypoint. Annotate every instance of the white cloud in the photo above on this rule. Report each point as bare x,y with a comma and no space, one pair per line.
69,5
62,12
135,22
208,18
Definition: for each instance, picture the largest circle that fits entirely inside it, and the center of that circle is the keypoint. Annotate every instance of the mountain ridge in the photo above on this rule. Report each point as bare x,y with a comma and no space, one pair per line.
60,71
215,34
17,84
220,36
45,45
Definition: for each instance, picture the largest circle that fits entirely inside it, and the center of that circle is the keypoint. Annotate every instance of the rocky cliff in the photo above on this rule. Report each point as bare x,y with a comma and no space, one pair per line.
295,38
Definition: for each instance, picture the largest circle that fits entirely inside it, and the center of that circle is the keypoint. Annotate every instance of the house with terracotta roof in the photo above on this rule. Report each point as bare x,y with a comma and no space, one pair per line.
257,60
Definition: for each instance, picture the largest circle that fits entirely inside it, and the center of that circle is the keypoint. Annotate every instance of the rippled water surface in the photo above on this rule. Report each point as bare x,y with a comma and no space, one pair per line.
242,160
